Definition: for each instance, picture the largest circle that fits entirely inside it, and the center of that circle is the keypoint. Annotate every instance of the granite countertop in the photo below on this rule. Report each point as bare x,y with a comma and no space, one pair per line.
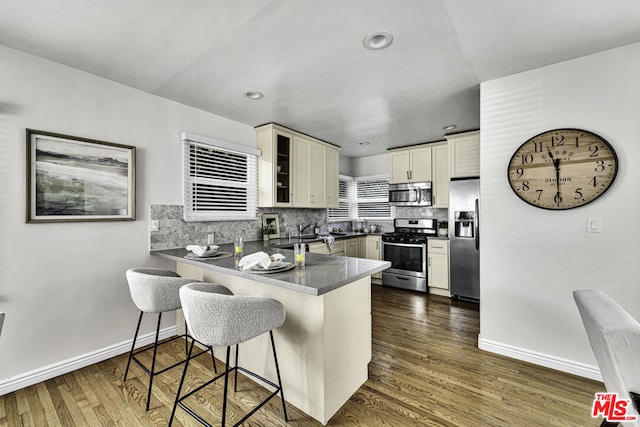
321,273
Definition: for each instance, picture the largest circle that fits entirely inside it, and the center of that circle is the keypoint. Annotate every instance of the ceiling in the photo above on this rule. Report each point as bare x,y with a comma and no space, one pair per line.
308,59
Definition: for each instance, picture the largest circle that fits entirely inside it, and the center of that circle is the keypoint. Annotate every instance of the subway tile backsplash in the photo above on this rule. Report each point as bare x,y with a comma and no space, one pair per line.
174,232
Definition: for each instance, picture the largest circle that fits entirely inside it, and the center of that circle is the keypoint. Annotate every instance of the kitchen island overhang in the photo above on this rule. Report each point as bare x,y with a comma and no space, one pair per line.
324,346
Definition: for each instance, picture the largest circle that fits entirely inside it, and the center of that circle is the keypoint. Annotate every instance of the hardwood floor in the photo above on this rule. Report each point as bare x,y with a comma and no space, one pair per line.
426,371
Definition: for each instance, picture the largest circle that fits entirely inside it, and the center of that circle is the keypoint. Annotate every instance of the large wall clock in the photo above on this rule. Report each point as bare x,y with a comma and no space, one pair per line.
562,169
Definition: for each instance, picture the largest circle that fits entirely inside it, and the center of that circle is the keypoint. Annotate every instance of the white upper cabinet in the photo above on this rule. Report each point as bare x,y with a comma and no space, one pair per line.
440,173
318,175
410,165
333,174
274,167
464,154
296,170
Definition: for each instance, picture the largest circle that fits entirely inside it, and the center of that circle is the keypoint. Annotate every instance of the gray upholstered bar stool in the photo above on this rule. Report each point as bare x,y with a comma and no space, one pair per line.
155,290
216,319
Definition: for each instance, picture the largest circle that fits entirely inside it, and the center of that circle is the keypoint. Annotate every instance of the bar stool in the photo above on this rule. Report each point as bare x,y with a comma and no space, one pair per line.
155,290
217,319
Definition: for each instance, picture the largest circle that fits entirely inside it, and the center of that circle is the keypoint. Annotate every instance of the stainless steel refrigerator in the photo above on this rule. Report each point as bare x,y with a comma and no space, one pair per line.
464,238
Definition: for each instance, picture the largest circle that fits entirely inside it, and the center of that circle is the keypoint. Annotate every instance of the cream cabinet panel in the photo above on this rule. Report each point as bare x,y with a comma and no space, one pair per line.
274,167
373,245
438,264
410,165
323,248
440,172
317,175
333,174
399,166
420,164
351,247
464,154
300,196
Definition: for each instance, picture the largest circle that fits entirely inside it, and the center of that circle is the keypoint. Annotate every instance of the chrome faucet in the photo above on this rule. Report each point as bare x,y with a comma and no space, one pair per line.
301,228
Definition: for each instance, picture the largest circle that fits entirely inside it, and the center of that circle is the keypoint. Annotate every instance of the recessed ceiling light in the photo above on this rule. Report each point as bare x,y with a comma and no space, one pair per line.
449,127
377,40
363,143
254,94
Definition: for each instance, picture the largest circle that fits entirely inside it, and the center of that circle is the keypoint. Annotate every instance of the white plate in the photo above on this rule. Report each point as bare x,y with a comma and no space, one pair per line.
273,266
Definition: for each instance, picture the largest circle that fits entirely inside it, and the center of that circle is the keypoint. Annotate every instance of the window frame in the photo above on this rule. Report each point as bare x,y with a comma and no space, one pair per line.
249,184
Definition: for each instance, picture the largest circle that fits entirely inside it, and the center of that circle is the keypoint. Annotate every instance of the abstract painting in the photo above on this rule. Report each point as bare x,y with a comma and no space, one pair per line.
78,179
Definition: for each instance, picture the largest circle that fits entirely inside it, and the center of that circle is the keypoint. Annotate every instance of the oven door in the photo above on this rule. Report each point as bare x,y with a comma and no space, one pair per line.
408,259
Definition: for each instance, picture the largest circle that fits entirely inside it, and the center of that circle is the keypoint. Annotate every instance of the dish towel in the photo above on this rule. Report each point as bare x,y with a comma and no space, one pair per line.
329,239
259,258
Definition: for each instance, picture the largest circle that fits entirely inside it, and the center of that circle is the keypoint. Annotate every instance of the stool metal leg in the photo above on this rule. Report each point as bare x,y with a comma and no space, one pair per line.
133,345
226,383
275,359
184,375
235,378
153,360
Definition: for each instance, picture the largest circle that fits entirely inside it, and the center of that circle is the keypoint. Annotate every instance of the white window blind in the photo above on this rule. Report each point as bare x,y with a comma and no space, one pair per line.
373,198
346,200
219,180
362,197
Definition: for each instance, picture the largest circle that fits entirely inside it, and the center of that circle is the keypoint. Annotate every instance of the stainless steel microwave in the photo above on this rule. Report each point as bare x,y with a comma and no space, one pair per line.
410,194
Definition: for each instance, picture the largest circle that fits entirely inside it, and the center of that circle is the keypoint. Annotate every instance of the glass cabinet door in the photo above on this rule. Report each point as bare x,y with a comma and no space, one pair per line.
283,169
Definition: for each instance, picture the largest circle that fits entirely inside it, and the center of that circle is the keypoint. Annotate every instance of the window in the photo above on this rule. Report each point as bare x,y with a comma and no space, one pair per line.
373,198
362,197
219,180
346,201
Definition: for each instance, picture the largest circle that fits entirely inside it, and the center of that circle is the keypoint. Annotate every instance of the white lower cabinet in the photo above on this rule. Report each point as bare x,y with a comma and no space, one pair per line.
323,248
351,247
373,250
438,266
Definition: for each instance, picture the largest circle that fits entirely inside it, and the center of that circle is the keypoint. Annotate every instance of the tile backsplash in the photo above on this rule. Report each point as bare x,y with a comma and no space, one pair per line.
174,232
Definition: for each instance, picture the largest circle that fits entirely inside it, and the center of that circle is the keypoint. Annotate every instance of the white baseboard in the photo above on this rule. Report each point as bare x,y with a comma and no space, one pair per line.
47,372
557,363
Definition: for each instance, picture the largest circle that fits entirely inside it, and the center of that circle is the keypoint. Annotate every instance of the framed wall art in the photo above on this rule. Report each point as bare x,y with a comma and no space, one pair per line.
79,179
271,225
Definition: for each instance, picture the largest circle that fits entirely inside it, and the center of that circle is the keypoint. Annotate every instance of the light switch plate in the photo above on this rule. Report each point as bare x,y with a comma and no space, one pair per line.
210,239
594,225
154,225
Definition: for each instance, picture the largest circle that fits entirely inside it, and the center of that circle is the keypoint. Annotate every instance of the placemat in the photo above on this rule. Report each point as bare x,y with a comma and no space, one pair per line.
217,255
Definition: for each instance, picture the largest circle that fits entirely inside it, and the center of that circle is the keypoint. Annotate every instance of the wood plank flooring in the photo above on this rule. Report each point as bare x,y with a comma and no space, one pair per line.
426,371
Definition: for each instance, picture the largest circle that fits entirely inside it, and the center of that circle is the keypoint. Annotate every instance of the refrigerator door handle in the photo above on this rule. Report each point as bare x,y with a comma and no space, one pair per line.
476,222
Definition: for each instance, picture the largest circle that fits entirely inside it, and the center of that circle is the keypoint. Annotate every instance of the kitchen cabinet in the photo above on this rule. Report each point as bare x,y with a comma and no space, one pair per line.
438,266
323,248
464,154
410,165
351,247
300,183
440,174
373,250
274,167
296,170
333,175
318,175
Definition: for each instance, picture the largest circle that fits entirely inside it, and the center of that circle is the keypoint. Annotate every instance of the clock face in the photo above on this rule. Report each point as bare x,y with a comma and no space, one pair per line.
562,169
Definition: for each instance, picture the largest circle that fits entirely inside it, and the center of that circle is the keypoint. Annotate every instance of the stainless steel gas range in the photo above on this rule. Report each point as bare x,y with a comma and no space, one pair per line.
406,250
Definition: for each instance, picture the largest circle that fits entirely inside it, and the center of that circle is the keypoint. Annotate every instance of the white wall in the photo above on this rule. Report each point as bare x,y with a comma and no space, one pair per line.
532,259
371,165
63,285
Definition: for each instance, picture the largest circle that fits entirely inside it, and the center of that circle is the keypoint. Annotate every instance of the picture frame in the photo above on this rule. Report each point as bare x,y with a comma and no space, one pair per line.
271,221
73,179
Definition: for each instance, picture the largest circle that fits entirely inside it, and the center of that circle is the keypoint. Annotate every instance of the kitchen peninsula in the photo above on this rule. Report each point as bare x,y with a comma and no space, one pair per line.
324,346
